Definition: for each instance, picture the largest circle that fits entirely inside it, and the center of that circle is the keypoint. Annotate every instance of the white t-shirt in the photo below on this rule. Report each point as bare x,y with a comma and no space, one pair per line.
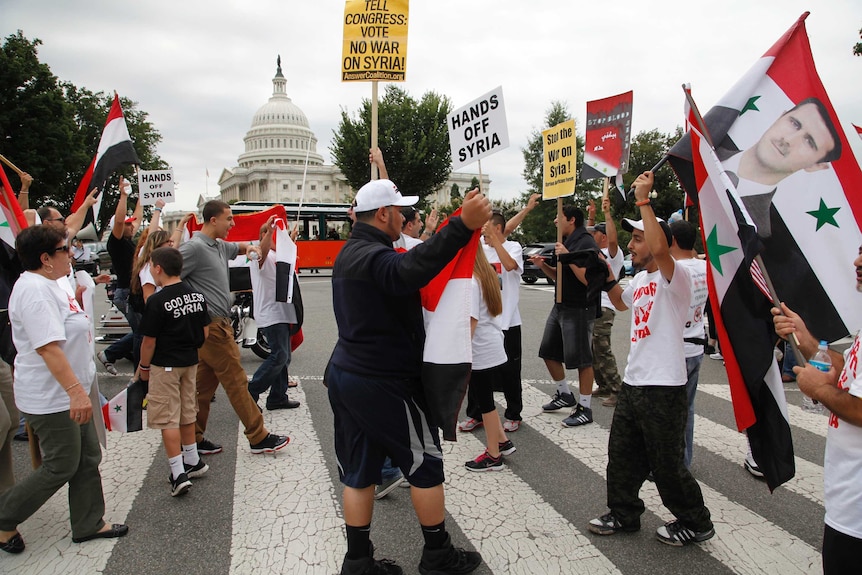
616,265
406,242
510,281
488,350
42,312
146,277
268,311
658,309
842,466
694,327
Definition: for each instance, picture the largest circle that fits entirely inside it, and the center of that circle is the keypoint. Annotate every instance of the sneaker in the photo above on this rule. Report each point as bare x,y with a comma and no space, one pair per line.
207,447
448,559
602,392
750,466
109,365
404,483
507,447
676,534
717,356
387,486
180,485
198,470
470,424
511,425
485,463
288,404
611,401
608,524
270,444
559,401
370,566
580,416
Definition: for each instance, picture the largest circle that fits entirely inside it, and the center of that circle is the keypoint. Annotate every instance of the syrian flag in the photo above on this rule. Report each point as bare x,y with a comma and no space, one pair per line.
115,150
285,263
12,219
780,142
125,412
246,226
743,319
858,129
690,122
448,355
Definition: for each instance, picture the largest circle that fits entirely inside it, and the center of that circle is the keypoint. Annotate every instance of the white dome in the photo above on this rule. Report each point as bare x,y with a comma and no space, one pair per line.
279,131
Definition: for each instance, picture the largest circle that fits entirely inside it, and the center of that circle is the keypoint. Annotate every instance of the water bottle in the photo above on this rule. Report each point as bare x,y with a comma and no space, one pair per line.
822,361
254,256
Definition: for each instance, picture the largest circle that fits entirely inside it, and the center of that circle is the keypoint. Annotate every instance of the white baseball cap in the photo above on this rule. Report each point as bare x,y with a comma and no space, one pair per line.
629,225
380,194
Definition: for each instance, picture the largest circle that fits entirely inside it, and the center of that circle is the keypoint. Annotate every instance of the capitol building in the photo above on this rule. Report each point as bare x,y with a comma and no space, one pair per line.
276,150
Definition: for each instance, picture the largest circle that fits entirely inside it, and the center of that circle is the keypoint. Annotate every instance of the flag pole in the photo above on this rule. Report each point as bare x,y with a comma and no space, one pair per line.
794,340
480,177
373,126
17,170
558,287
304,172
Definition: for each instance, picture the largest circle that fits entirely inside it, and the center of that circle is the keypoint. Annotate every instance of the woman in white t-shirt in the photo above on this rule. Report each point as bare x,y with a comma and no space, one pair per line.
51,330
489,357
143,284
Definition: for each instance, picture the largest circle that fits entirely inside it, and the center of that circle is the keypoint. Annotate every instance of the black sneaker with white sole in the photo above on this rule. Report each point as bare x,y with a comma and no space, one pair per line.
676,534
207,447
608,524
448,560
198,470
270,444
507,447
180,485
580,416
560,401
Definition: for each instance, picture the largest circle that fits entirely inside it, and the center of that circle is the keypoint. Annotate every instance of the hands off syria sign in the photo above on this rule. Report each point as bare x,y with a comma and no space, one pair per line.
478,129
156,185
375,41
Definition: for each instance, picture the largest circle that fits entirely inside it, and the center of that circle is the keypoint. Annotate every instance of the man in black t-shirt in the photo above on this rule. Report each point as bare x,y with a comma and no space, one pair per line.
174,326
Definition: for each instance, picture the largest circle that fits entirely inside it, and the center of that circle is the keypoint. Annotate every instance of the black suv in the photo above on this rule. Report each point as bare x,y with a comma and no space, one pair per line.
532,273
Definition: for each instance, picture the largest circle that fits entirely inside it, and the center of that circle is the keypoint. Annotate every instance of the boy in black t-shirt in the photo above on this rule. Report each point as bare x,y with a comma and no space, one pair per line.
174,327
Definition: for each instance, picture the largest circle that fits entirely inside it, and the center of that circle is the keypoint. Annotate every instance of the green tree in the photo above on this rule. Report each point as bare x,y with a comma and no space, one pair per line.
857,49
52,128
412,134
538,226
454,191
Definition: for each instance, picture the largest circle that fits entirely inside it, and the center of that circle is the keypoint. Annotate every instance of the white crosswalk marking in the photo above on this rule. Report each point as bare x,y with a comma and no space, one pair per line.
286,516
538,540
745,541
124,466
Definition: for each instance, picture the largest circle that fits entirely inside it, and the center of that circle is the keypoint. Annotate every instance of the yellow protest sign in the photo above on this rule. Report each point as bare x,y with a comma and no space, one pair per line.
559,148
375,40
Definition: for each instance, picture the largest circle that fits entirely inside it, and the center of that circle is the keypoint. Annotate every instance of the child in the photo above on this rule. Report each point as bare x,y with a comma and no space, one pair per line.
174,327
489,358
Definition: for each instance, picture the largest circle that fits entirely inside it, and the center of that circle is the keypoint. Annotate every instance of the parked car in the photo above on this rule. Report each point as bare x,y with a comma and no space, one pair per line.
532,273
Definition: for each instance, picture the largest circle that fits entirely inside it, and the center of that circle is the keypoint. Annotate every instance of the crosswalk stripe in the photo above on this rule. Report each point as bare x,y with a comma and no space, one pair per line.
515,530
814,422
50,549
286,516
745,541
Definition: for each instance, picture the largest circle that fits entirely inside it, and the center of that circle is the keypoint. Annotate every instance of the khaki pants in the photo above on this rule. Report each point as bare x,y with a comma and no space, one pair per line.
220,362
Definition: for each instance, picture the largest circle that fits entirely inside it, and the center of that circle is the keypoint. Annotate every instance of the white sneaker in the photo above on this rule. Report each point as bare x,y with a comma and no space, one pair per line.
109,367
717,356
511,425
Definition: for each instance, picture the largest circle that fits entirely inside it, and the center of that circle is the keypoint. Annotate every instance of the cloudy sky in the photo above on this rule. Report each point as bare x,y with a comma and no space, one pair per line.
202,68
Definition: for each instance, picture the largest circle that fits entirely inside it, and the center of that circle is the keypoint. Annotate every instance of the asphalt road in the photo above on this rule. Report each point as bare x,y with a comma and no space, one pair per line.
281,514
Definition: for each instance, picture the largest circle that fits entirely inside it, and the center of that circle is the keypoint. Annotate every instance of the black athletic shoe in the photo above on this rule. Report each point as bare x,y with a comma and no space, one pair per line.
370,566
270,444
608,524
207,447
180,485
676,534
559,401
448,560
198,470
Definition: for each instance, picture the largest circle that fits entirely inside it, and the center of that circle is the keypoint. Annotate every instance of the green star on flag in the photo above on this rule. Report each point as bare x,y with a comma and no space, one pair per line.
824,215
750,105
118,408
715,250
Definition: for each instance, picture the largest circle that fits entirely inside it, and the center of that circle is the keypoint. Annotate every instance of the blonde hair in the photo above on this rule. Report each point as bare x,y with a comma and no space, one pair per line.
150,241
489,283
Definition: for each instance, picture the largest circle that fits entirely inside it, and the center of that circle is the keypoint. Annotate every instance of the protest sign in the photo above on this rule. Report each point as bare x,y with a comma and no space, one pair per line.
559,153
478,129
156,185
608,142
375,40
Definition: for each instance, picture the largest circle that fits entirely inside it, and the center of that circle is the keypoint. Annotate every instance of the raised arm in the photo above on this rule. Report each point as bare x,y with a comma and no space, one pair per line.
121,209
654,235
24,194
610,228
156,220
75,222
495,240
516,220
375,156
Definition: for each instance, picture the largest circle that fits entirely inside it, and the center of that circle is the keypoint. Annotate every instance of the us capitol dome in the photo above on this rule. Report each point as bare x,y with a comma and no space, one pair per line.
276,147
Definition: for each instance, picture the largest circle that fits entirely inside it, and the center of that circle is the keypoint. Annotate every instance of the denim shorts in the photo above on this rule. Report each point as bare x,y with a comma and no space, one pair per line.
568,336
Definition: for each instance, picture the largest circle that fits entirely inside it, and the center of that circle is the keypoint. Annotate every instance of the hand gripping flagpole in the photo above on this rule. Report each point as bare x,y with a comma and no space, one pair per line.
701,126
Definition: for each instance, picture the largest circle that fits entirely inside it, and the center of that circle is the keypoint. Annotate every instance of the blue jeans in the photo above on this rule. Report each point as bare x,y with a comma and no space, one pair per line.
127,346
692,368
272,373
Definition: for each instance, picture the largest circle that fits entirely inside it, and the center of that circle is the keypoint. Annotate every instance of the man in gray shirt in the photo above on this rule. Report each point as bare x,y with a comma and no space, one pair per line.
205,269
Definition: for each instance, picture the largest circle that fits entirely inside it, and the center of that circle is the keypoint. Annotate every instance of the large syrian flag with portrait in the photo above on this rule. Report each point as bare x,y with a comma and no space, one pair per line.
808,221
742,316
448,356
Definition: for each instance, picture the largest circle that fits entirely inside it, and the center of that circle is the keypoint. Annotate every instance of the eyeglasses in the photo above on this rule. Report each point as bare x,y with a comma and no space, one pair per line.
63,248
61,220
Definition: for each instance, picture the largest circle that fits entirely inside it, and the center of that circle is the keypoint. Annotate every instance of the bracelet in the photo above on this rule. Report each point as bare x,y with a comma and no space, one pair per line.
642,202
71,386
144,367
157,209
